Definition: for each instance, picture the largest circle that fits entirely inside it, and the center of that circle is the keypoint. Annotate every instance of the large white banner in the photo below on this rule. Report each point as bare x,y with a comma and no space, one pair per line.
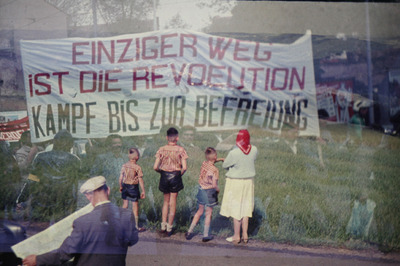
134,84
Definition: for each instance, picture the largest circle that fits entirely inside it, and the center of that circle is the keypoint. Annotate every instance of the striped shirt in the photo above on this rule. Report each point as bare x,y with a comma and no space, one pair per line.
171,157
208,172
130,173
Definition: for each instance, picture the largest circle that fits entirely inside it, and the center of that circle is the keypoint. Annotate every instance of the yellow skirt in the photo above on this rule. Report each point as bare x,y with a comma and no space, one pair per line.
238,199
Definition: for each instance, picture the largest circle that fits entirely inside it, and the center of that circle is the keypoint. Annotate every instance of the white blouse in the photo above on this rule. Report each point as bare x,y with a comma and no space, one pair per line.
240,165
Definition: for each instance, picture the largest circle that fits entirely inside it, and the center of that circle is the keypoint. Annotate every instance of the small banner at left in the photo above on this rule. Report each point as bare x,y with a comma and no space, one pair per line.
11,131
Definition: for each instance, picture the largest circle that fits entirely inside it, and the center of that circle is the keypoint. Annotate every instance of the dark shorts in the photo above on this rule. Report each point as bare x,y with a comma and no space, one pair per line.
207,197
170,182
130,192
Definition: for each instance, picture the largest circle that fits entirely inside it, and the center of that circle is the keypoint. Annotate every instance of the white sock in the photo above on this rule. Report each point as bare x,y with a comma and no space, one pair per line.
137,221
191,228
169,228
163,226
206,229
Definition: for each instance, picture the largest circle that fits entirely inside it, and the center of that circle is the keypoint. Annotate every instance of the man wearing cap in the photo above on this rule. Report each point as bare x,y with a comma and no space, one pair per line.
54,174
100,237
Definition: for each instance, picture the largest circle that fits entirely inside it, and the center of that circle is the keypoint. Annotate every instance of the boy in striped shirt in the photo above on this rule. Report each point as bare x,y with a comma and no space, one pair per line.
131,177
207,196
171,164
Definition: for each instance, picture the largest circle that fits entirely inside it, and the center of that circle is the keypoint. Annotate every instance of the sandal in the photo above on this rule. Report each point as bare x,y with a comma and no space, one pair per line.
245,240
234,241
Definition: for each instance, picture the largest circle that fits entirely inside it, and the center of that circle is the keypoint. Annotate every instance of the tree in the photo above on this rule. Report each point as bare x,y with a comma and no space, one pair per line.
177,22
217,6
122,16
217,9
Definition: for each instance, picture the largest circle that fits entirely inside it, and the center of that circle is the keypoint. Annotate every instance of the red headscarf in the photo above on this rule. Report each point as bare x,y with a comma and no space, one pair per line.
243,141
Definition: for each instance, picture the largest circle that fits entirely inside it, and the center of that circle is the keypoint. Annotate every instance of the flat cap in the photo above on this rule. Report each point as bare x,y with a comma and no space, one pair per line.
92,184
63,134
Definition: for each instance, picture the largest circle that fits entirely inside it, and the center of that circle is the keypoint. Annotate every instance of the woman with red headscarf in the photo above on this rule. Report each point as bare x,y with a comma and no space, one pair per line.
238,199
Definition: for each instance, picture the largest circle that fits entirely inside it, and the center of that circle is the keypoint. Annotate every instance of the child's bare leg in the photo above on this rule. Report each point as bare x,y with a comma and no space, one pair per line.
196,218
125,204
172,209
207,221
245,227
165,211
135,209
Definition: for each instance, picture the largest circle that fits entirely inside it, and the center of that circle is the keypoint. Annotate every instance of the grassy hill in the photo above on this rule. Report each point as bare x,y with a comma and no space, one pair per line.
300,198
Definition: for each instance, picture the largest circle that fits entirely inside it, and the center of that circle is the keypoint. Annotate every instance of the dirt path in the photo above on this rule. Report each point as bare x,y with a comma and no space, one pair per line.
176,250
153,250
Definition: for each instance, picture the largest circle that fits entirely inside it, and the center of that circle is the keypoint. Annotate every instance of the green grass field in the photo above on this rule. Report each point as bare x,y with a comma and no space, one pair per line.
297,199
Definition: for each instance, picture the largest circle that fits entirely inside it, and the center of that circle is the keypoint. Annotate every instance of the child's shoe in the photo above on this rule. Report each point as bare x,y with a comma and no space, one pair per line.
169,233
170,230
207,238
189,236
162,233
